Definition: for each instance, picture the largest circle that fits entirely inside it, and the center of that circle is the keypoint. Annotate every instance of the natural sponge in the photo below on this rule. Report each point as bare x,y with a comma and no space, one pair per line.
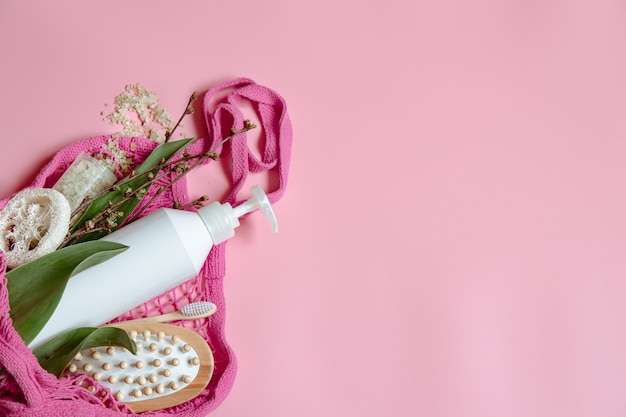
32,224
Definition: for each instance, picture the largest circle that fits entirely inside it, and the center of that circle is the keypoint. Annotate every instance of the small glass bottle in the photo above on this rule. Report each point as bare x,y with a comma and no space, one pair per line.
85,178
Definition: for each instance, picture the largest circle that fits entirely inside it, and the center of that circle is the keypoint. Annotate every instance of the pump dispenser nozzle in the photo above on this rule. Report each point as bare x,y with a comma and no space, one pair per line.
222,219
259,202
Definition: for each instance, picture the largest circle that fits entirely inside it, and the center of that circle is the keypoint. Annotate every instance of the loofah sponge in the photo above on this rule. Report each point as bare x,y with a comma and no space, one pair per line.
33,223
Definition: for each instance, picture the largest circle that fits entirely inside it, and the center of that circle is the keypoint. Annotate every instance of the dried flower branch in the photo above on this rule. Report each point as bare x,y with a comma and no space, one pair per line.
188,110
111,154
198,203
116,213
200,160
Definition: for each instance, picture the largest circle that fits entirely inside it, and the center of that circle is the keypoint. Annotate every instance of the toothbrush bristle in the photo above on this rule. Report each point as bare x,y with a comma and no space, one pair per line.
197,309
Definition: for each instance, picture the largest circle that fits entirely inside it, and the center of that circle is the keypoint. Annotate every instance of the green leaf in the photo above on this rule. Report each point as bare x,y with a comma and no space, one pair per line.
55,354
162,152
36,287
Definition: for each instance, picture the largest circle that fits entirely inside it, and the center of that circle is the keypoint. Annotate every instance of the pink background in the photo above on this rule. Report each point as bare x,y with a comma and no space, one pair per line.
453,236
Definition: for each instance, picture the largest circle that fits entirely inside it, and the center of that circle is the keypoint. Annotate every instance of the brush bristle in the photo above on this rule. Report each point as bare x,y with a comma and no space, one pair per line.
163,364
198,308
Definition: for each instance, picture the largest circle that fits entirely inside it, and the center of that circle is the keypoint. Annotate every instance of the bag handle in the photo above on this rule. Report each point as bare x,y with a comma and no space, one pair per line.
275,127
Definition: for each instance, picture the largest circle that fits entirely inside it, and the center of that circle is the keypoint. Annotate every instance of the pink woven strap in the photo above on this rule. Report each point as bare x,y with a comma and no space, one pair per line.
275,127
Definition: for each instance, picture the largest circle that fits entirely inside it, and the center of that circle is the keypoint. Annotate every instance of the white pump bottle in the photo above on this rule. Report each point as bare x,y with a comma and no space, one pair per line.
166,248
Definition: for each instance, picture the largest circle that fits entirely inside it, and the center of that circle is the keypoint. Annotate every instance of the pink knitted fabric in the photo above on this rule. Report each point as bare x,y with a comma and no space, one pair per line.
28,390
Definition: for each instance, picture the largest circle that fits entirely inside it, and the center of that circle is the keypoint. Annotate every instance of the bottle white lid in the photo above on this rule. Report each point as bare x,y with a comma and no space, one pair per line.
222,219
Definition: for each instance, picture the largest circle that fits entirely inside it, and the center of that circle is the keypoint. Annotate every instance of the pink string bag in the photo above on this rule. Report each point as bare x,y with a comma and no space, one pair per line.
28,390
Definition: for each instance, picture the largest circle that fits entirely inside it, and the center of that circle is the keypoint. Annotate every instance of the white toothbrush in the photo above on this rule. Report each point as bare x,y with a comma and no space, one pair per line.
192,311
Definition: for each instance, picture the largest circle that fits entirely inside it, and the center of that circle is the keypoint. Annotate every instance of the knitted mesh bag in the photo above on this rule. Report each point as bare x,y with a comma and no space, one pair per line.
28,390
